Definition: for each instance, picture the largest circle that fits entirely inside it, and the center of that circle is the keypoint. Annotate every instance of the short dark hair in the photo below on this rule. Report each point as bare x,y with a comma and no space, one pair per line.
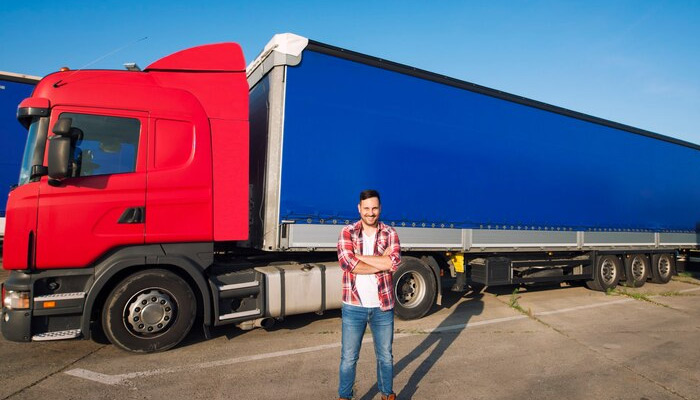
368,194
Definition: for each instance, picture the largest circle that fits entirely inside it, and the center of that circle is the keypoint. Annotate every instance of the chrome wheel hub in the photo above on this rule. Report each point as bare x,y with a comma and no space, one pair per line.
608,271
149,312
410,289
638,268
664,266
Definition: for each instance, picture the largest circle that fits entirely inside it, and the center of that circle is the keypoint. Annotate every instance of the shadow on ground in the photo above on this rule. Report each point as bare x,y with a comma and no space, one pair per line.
436,342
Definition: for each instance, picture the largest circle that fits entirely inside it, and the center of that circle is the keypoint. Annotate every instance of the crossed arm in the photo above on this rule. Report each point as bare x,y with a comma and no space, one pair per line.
365,265
373,264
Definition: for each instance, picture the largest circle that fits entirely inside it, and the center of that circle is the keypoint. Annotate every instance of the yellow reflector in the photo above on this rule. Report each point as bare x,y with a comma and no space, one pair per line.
458,261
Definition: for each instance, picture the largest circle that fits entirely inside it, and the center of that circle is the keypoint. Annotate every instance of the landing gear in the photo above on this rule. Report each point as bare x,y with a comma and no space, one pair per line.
460,285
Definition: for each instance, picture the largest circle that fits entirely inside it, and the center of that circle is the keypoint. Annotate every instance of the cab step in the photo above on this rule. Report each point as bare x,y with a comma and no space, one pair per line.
58,335
239,296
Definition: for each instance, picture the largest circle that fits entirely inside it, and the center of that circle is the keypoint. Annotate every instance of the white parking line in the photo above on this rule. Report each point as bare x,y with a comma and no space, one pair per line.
123,378
564,310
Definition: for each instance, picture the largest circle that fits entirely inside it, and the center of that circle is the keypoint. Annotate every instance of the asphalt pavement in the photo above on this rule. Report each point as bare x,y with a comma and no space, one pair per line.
539,342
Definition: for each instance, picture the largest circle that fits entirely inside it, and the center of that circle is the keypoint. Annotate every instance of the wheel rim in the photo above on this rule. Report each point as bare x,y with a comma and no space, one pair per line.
149,312
608,271
638,268
410,289
664,266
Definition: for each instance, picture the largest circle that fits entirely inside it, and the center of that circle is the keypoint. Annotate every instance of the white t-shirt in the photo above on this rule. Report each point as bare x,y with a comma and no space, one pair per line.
366,284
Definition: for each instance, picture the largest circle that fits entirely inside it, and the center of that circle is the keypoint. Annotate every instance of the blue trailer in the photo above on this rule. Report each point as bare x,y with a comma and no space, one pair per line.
13,89
517,190
486,186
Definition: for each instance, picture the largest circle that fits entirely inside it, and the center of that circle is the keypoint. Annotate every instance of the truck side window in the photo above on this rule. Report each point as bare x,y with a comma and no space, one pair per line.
107,145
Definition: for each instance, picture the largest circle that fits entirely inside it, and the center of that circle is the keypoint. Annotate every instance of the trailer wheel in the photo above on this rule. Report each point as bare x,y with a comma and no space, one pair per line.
662,267
636,270
149,311
414,288
607,273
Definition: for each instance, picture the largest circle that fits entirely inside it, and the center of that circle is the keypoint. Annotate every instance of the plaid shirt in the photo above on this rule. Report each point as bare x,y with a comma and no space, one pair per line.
350,243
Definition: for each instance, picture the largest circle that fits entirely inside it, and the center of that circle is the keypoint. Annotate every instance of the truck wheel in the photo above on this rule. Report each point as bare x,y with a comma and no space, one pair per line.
636,270
414,288
606,274
662,267
149,311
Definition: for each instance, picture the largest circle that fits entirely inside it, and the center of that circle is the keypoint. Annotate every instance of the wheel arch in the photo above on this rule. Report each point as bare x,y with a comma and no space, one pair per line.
117,267
436,262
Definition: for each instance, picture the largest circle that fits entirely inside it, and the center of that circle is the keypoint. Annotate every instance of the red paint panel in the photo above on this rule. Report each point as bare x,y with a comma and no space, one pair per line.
230,156
209,57
222,95
174,144
177,178
19,224
78,220
179,192
127,90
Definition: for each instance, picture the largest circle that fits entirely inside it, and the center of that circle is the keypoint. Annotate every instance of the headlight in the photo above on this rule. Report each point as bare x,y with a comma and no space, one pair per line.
15,300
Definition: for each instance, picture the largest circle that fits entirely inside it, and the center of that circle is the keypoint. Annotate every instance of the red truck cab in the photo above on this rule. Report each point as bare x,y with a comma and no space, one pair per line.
119,165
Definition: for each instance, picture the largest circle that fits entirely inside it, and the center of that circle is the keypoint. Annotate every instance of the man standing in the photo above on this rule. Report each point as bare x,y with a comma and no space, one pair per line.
368,251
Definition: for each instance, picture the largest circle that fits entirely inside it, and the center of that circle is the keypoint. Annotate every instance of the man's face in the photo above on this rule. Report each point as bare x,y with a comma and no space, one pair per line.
369,211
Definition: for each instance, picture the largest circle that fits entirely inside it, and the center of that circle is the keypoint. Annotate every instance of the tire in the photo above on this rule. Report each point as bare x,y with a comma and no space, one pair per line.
607,273
637,270
662,267
149,311
414,289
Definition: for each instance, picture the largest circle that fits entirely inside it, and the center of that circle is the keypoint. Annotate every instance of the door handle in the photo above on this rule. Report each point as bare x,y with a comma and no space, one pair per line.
133,215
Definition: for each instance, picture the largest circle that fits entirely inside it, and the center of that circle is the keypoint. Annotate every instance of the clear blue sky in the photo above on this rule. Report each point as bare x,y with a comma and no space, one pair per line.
635,62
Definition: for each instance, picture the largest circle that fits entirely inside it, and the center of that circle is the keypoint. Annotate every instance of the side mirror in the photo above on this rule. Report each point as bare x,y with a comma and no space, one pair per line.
62,126
59,154
38,171
75,135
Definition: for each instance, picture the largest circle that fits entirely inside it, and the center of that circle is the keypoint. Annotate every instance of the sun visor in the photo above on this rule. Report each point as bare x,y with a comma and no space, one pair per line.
33,107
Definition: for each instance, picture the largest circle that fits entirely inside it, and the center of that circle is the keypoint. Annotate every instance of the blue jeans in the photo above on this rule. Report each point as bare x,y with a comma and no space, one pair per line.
381,323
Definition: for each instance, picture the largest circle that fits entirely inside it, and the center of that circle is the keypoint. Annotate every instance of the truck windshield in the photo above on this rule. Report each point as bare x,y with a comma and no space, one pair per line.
34,148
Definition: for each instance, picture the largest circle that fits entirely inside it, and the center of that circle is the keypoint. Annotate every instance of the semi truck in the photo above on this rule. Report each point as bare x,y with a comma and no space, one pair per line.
201,192
13,89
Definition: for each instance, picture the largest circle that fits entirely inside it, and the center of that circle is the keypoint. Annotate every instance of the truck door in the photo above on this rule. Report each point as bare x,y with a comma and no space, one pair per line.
101,205
23,200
